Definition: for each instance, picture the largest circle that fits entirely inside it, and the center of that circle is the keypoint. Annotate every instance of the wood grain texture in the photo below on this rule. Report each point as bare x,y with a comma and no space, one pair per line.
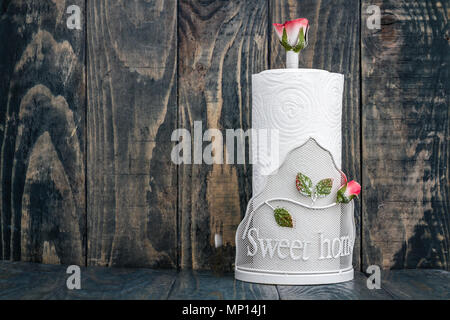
27,281
205,286
351,290
221,43
334,46
132,182
99,283
20,280
140,209
42,134
405,87
417,284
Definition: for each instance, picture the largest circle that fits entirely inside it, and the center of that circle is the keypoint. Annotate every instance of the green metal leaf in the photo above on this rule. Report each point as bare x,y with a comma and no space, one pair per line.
303,184
323,187
283,218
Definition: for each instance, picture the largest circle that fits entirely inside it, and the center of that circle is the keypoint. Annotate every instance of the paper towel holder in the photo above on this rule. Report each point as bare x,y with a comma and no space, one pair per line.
317,249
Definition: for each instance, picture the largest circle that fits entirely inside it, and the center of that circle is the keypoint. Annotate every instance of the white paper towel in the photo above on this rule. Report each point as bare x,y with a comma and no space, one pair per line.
299,103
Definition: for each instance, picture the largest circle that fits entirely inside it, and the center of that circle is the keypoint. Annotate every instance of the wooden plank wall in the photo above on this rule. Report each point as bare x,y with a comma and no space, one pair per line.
86,118
42,134
405,121
132,103
220,45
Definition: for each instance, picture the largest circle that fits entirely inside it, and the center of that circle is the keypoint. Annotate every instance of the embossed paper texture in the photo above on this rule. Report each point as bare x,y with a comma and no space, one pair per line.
300,104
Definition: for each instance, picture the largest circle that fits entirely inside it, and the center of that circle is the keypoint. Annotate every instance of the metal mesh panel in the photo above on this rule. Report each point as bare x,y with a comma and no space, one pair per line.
323,233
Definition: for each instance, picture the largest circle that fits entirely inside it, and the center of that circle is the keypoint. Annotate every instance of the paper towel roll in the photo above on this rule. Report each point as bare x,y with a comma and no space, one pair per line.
299,103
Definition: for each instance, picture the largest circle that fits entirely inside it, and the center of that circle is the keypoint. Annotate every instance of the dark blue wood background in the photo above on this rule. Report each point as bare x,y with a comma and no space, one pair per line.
86,118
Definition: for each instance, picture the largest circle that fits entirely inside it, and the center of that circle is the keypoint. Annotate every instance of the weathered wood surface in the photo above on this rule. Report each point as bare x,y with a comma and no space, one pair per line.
206,286
221,44
140,209
119,284
421,284
132,103
26,281
405,125
19,280
42,134
352,290
36,281
333,46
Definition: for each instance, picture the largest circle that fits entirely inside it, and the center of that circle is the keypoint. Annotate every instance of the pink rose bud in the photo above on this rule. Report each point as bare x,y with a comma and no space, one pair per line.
348,191
293,35
353,188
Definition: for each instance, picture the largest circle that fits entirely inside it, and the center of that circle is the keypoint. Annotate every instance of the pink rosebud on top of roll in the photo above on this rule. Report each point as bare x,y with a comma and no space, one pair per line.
293,34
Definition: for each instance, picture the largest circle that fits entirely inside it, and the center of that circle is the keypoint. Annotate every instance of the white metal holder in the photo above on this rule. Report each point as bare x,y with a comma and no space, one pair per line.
292,59
318,248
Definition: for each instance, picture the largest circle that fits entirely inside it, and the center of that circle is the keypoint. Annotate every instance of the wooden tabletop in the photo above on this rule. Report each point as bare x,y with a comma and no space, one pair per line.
20,280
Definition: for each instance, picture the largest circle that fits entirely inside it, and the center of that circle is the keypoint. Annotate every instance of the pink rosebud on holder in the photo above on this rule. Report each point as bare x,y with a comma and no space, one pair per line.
293,36
348,191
